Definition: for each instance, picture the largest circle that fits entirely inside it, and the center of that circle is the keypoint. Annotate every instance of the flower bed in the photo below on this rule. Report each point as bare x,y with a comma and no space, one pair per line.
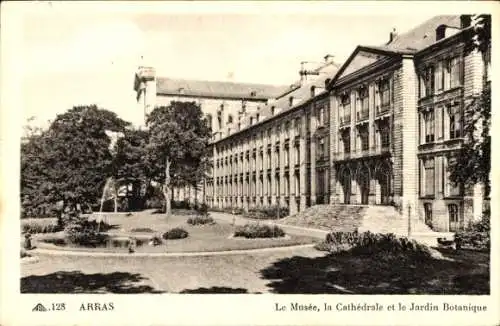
175,233
252,231
386,246
200,220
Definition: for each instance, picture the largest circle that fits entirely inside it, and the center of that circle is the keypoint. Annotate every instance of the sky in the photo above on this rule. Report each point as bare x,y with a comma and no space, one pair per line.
83,57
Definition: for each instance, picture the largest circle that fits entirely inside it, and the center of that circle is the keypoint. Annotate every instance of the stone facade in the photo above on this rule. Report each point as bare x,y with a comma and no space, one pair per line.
378,130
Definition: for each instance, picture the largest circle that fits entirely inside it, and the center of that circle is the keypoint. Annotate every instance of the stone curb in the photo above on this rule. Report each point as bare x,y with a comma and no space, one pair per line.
166,254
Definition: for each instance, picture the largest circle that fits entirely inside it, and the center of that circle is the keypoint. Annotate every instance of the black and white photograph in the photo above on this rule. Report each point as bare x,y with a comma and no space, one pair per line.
234,152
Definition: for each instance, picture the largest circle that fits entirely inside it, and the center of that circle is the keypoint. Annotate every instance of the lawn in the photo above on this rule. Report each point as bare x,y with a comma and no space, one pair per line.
215,237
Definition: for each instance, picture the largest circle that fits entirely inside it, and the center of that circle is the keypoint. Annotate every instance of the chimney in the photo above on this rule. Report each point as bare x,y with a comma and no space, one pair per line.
392,35
465,21
329,58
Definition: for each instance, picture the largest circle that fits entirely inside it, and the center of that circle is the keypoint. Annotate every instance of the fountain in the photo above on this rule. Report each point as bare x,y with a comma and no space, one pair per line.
110,184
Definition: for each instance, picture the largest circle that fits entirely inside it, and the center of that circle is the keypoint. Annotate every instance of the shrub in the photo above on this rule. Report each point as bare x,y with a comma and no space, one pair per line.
175,233
36,227
143,230
79,230
270,212
184,204
383,246
251,231
200,220
202,209
476,235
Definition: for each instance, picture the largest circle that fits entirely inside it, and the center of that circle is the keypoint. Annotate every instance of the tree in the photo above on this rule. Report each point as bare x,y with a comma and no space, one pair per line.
130,166
71,160
179,136
472,164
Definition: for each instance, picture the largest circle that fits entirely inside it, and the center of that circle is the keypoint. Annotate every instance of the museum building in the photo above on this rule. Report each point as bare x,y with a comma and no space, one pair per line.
379,129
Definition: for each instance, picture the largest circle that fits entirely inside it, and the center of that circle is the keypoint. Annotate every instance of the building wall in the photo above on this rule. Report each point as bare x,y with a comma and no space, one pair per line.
297,159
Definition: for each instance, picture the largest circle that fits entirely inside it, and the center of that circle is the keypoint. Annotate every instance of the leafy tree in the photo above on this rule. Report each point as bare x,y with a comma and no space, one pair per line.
131,167
473,161
70,161
179,136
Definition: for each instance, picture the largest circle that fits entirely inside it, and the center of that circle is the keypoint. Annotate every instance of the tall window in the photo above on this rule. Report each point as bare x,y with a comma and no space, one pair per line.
429,127
453,217
385,136
451,188
428,213
384,93
429,177
297,155
308,121
298,127
346,138
277,157
320,115
345,109
427,82
287,129
455,72
287,156
455,122
364,103
363,135
321,148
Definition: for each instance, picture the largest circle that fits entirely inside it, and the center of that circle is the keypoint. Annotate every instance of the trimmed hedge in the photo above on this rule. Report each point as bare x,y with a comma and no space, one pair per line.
175,233
385,246
268,213
252,231
200,220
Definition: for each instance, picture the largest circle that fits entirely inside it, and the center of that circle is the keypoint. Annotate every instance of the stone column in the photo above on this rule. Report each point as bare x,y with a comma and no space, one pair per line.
282,166
313,156
302,163
409,132
291,173
272,189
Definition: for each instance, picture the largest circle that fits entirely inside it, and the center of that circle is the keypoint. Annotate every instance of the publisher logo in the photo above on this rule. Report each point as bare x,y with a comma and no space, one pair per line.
39,307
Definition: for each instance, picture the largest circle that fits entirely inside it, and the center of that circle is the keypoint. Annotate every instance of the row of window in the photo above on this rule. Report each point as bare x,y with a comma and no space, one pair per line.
381,99
442,76
434,176
443,122
382,138
321,153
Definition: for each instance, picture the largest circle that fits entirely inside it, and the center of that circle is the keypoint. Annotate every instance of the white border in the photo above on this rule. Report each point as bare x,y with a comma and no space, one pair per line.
206,309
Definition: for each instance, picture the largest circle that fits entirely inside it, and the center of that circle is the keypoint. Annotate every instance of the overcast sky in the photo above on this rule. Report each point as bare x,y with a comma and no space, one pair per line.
83,58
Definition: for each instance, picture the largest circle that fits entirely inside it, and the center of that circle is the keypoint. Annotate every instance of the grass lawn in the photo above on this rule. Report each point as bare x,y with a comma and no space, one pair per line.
213,237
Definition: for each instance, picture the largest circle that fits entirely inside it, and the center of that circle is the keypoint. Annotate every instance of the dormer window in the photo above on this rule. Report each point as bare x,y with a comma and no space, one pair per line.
290,101
257,117
273,110
253,93
181,90
251,120
230,118
440,32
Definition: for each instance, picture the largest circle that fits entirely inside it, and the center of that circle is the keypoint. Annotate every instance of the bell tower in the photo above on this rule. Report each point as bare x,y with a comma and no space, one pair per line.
145,88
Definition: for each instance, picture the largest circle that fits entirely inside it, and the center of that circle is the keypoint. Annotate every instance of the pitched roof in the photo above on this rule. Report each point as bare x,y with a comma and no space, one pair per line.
410,42
301,92
422,36
170,86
